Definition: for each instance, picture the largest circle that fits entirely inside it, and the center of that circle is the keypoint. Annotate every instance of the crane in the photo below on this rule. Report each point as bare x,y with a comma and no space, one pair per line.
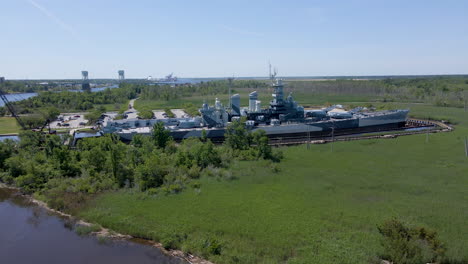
9,105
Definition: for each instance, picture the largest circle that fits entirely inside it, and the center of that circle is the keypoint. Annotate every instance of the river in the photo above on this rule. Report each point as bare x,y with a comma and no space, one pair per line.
31,234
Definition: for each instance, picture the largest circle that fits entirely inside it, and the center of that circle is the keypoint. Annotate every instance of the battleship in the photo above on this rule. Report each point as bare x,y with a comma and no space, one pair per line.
283,117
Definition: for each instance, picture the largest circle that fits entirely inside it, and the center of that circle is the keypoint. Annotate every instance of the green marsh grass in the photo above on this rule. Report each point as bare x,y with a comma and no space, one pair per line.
319,207
8,125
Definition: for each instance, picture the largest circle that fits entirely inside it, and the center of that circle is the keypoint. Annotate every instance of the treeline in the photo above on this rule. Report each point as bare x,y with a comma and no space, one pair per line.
44,165
70,101
25,87
30,86
86,101
166,92
440,91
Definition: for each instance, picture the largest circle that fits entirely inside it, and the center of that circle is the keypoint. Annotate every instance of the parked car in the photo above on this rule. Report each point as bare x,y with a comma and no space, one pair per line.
82,124
65,124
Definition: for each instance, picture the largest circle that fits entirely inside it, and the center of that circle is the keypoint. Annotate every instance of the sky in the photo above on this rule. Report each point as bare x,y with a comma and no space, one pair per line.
56,39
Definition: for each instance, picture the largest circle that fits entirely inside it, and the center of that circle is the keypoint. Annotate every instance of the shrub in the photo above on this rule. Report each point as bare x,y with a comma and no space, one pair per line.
405,245
146,114
173,241
212,246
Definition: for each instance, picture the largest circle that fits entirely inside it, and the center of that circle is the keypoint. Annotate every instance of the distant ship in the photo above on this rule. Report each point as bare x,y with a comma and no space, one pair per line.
283,118
168,79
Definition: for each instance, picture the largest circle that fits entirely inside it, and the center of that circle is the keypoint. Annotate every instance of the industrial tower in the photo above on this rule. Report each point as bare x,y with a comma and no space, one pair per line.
121,75
85,86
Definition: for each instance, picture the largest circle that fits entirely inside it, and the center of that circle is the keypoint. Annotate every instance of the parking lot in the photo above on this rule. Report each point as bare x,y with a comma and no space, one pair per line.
178,113
159,114
69,120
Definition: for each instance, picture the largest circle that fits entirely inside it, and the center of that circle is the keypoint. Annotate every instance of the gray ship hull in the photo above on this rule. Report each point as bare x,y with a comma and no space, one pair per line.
393,117
365,123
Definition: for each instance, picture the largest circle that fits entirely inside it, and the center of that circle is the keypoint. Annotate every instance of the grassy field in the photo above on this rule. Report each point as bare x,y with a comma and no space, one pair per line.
8,125
321,207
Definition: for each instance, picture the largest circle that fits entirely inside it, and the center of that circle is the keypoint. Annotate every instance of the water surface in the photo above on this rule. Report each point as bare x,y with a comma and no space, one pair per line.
31,234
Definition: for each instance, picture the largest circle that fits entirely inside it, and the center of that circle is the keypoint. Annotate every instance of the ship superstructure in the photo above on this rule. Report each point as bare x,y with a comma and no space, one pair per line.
280,109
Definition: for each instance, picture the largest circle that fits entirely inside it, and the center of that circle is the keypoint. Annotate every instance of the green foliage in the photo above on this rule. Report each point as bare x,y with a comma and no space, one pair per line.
31,139
260,140
319,207
249,145
167,93
150,174
404,245
52,113
237,137
160,135
212,246
191,109
83,230
194,153
146,114
173,241
33,121
439,90
77,101
169,113
93,116
7,148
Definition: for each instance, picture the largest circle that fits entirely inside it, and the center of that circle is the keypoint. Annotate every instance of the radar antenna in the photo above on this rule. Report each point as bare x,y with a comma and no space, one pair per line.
272,75
230,80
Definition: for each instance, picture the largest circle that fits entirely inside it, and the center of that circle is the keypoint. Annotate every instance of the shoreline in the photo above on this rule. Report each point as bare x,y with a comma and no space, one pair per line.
111,234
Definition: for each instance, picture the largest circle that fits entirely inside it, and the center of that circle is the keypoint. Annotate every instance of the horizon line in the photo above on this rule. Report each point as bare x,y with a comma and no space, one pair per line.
257,77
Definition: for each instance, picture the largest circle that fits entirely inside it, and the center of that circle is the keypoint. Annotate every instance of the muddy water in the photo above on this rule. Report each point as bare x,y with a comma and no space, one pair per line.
31,234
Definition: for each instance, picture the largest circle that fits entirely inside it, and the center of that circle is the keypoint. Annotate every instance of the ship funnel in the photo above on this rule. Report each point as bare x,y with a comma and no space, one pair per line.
252,101
235,105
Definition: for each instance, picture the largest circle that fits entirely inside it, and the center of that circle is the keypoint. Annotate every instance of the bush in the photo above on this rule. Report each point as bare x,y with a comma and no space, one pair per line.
212,246
173,241
404,245
146,114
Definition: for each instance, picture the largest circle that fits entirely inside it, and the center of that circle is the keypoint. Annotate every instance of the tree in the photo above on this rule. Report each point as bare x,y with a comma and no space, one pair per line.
33,121
6,151
31,140
237,136
93,117
260,140
150,175
52,113
160,135
194,152
146,114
